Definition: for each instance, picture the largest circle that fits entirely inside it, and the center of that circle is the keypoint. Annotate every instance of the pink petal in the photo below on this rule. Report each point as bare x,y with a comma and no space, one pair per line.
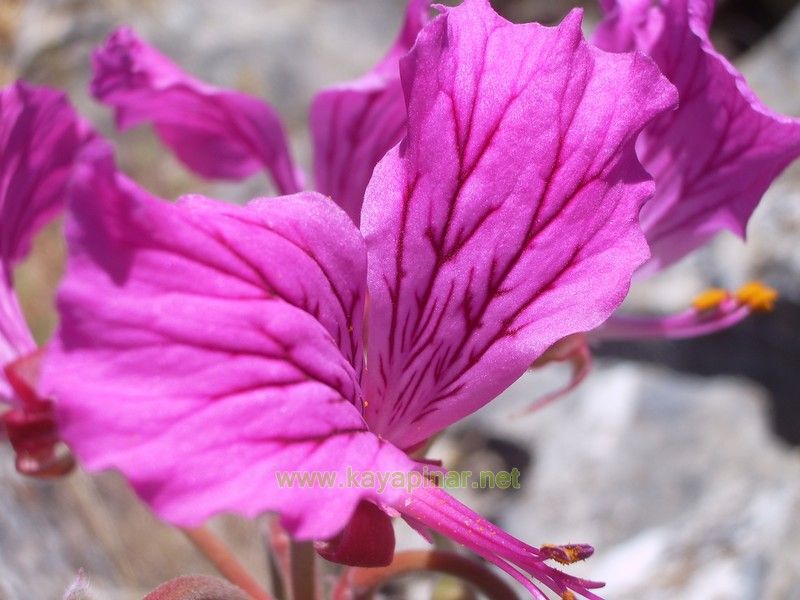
621,18
40,136
198,351
355,123
217,133
507,220
715,156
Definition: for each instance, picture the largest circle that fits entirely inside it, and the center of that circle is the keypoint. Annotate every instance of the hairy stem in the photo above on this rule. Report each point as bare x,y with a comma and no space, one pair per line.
196,587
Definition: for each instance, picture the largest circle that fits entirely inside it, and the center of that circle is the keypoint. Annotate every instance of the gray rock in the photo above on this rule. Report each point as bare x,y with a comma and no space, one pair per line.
49,530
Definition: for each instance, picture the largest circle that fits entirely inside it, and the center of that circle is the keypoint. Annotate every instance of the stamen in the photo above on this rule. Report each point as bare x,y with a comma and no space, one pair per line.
757,296
568,553
710,299
713,310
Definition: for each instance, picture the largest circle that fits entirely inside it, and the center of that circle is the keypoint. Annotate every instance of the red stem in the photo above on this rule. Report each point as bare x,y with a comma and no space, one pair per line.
302,571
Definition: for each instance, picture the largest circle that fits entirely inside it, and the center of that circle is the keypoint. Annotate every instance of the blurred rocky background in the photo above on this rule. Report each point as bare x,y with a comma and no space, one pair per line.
678,460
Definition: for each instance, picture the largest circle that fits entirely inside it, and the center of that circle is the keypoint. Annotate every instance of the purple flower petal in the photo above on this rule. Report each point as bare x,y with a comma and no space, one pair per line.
508,219
40,137
217,133
355,123
205,347
715,156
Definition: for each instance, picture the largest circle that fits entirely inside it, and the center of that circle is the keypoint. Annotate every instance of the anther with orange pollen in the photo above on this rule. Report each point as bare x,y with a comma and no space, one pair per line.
757,296
710,299
754,295
713,310
567,554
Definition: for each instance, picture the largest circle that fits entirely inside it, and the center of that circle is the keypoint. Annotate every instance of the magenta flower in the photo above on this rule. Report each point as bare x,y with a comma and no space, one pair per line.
207,348
712,159
40,137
